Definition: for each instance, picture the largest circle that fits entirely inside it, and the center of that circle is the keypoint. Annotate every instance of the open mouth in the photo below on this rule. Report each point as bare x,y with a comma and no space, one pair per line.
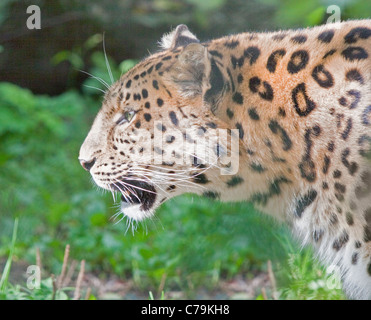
136,192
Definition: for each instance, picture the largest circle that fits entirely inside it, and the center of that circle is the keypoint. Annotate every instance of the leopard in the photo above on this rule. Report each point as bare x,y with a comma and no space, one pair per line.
280,119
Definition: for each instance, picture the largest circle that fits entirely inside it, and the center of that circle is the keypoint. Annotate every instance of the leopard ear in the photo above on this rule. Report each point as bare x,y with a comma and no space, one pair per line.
179,37
190,70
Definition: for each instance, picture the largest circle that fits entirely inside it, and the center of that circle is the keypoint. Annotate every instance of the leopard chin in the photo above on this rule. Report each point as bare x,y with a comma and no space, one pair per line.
135,211
138,201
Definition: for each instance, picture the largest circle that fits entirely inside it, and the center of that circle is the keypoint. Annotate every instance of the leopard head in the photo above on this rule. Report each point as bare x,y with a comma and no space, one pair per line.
158,133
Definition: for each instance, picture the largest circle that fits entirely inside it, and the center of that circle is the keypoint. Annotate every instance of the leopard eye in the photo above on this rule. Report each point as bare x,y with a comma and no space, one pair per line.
126,117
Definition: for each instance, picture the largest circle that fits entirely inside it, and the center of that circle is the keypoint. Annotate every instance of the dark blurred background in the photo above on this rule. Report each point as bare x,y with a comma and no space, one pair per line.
194,247
131,27
34,58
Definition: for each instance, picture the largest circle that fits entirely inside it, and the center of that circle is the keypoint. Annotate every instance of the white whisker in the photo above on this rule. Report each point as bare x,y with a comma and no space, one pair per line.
128,189
91,87
96,78
173,176
122,192
133,186
107,63
151,181
113,194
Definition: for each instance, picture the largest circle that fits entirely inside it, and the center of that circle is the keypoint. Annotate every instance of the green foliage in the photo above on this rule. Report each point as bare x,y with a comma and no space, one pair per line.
39,138
306,280
5,275
4,9
359,9
75,55
151,297
46,289
292,13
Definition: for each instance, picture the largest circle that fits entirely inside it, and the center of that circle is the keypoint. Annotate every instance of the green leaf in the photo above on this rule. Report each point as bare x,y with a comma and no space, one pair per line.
93,41
60,57
5,275
316,16
126,65
17,97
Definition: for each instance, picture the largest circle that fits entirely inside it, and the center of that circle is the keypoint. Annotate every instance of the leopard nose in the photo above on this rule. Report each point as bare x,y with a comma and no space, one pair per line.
87,165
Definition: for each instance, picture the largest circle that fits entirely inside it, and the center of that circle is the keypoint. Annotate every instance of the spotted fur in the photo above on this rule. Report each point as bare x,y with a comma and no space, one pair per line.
301,102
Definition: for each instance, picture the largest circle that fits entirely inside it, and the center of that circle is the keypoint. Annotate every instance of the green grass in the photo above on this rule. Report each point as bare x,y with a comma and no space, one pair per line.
51,288
5,274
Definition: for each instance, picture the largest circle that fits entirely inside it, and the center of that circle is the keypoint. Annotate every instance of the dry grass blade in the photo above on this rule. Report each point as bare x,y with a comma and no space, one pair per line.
64,266
272,280
80,277
87,294
162,284
70,272
264,294
55,289
38,258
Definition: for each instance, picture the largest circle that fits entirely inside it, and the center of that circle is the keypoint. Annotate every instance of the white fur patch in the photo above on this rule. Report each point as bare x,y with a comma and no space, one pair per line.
167,40
134,212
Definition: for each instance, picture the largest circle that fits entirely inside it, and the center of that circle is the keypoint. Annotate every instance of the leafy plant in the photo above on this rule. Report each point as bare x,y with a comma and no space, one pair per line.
306,279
